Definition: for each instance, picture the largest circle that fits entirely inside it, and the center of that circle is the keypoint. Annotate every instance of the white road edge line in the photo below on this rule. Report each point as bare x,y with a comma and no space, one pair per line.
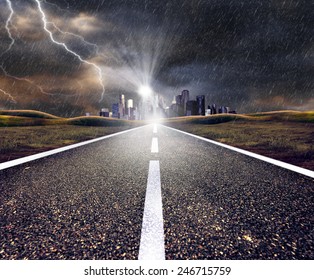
154,148
285,165
152,246
19,161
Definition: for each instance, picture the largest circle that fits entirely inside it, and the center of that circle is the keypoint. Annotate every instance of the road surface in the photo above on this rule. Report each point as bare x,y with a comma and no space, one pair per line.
154,193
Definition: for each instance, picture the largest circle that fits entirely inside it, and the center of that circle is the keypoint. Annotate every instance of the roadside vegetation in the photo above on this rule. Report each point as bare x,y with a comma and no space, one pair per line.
282,135
10,118
26,132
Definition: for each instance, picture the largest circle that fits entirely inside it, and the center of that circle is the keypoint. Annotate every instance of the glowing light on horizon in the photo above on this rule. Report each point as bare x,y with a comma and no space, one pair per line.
145,91
139,60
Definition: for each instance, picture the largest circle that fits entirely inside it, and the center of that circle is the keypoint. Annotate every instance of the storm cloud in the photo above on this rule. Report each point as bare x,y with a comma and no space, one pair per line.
248,55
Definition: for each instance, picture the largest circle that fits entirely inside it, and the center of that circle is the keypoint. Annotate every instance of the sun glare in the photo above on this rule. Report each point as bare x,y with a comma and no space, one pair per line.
145,91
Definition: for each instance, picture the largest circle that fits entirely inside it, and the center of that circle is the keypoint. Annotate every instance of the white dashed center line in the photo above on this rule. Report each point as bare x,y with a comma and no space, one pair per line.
155,145
155,128
152,237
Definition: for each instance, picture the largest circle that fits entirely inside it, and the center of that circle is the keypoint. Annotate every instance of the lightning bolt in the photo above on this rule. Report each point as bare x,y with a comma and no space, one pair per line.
95,46
25,80
46,23
7,27
52,4
9,95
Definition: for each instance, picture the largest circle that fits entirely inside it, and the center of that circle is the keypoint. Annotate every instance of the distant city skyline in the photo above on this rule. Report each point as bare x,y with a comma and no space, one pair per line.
153,106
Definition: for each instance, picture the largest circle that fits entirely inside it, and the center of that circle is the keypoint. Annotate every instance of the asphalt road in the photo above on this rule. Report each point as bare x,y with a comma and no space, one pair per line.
88,202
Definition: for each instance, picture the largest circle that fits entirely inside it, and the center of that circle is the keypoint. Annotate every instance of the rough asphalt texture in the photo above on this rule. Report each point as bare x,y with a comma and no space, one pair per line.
88,203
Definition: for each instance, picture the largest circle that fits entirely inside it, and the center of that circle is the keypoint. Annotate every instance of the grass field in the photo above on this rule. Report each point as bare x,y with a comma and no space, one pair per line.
27,140
283,135
25,133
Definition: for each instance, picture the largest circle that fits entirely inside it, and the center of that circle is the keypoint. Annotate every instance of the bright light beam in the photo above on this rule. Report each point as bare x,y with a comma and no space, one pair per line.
7,27
145,91
45,22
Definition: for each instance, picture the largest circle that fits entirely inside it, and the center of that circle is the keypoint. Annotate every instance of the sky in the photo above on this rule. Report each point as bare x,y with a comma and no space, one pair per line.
69,57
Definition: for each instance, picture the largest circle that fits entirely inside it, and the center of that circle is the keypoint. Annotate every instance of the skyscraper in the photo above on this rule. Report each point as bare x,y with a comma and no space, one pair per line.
179,99
115,111
179,105
184,99
130,110
200,99
213,109
130,103
191,108
121,105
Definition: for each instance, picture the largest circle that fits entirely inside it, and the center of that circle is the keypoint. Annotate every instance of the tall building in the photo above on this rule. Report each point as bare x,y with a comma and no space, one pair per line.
115,110
191,108
121,105
213,109
130,110
179,99
174,100
130,103
200,99
178,108
224,110
184,99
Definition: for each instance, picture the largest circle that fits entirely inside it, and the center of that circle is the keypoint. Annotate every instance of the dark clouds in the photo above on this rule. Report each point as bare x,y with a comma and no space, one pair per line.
249,55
